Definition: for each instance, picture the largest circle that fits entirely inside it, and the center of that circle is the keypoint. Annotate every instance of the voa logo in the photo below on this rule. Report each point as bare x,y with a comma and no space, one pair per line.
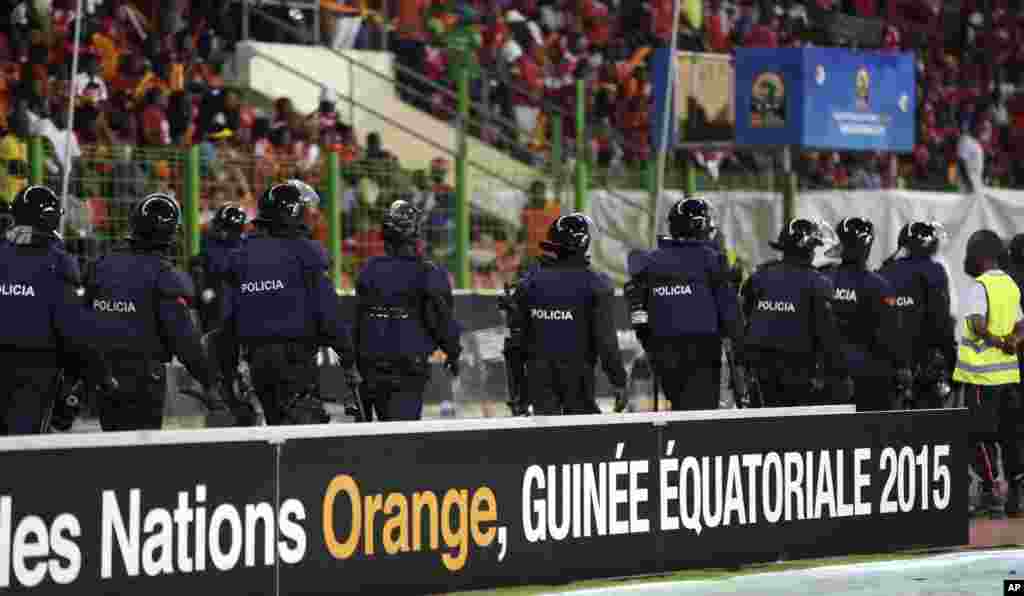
775,306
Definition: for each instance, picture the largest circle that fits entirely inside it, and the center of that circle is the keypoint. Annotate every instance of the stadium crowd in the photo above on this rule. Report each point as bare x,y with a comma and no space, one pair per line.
151,82
969,73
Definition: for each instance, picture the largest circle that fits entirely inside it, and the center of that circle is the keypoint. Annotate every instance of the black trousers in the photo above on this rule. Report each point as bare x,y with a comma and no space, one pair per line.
997,416
784,378
393,389
28,389
687,368
138,404
281,373
557,387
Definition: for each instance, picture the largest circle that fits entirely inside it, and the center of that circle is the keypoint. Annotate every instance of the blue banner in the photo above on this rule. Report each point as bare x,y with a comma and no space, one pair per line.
826,98
664,98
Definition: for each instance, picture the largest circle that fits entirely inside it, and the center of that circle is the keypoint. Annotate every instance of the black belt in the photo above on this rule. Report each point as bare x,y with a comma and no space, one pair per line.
387,312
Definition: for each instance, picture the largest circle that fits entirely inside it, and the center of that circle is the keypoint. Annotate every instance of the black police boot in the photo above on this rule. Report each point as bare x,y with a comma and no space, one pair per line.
1013,499
992,505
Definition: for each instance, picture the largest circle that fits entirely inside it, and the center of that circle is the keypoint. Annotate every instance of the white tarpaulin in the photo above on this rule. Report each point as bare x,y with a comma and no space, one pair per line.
750,220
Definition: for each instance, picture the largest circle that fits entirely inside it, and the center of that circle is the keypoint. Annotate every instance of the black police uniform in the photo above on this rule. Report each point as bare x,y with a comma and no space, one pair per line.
789,320
44,322
689,303
142,306
566,313
404,312
869,326
281,307
921,287
209,267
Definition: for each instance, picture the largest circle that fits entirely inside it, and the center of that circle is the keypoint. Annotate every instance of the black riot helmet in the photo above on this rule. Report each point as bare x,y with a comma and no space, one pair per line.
983,246
568,235
800,238
283,206
37,207
229,221
920,238
691,219
856,236
402,223
155,220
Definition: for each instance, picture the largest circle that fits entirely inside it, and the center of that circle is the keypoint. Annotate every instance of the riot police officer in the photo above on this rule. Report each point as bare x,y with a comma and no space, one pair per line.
44,322
789,320
209,268
866,316
141,304
405,311
565,311
682,303
281,307
921,287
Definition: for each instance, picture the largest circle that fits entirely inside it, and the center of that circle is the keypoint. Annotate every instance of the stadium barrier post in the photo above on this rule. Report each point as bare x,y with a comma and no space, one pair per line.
462,183
581,147
190,202
36,158
334,216
556,152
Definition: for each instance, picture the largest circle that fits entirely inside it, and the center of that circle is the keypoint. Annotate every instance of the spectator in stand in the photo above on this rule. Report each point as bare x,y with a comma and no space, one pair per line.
864,174
526,99
13,154
155,127
970,162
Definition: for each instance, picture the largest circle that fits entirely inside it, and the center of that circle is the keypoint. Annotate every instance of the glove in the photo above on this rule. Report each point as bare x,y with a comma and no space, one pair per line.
452,365
621,399
352,376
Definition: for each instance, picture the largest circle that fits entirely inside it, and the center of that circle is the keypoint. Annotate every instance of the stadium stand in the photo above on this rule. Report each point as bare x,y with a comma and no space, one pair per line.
151,83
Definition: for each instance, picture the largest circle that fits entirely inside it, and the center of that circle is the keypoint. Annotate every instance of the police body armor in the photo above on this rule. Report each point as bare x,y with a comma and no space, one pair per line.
273,294
780,318
28,285
557,318
392,296
679,304
123,290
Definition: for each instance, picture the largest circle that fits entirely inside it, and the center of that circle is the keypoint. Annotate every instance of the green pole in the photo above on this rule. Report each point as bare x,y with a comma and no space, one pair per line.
191,201
556,153
334,216
462,184
581,147
36,158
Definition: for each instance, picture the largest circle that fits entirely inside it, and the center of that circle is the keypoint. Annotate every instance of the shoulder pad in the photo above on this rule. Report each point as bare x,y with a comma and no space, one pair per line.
637,261
172,283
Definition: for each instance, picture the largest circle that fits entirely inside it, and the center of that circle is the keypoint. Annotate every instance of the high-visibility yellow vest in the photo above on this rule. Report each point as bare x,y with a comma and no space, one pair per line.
978,362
